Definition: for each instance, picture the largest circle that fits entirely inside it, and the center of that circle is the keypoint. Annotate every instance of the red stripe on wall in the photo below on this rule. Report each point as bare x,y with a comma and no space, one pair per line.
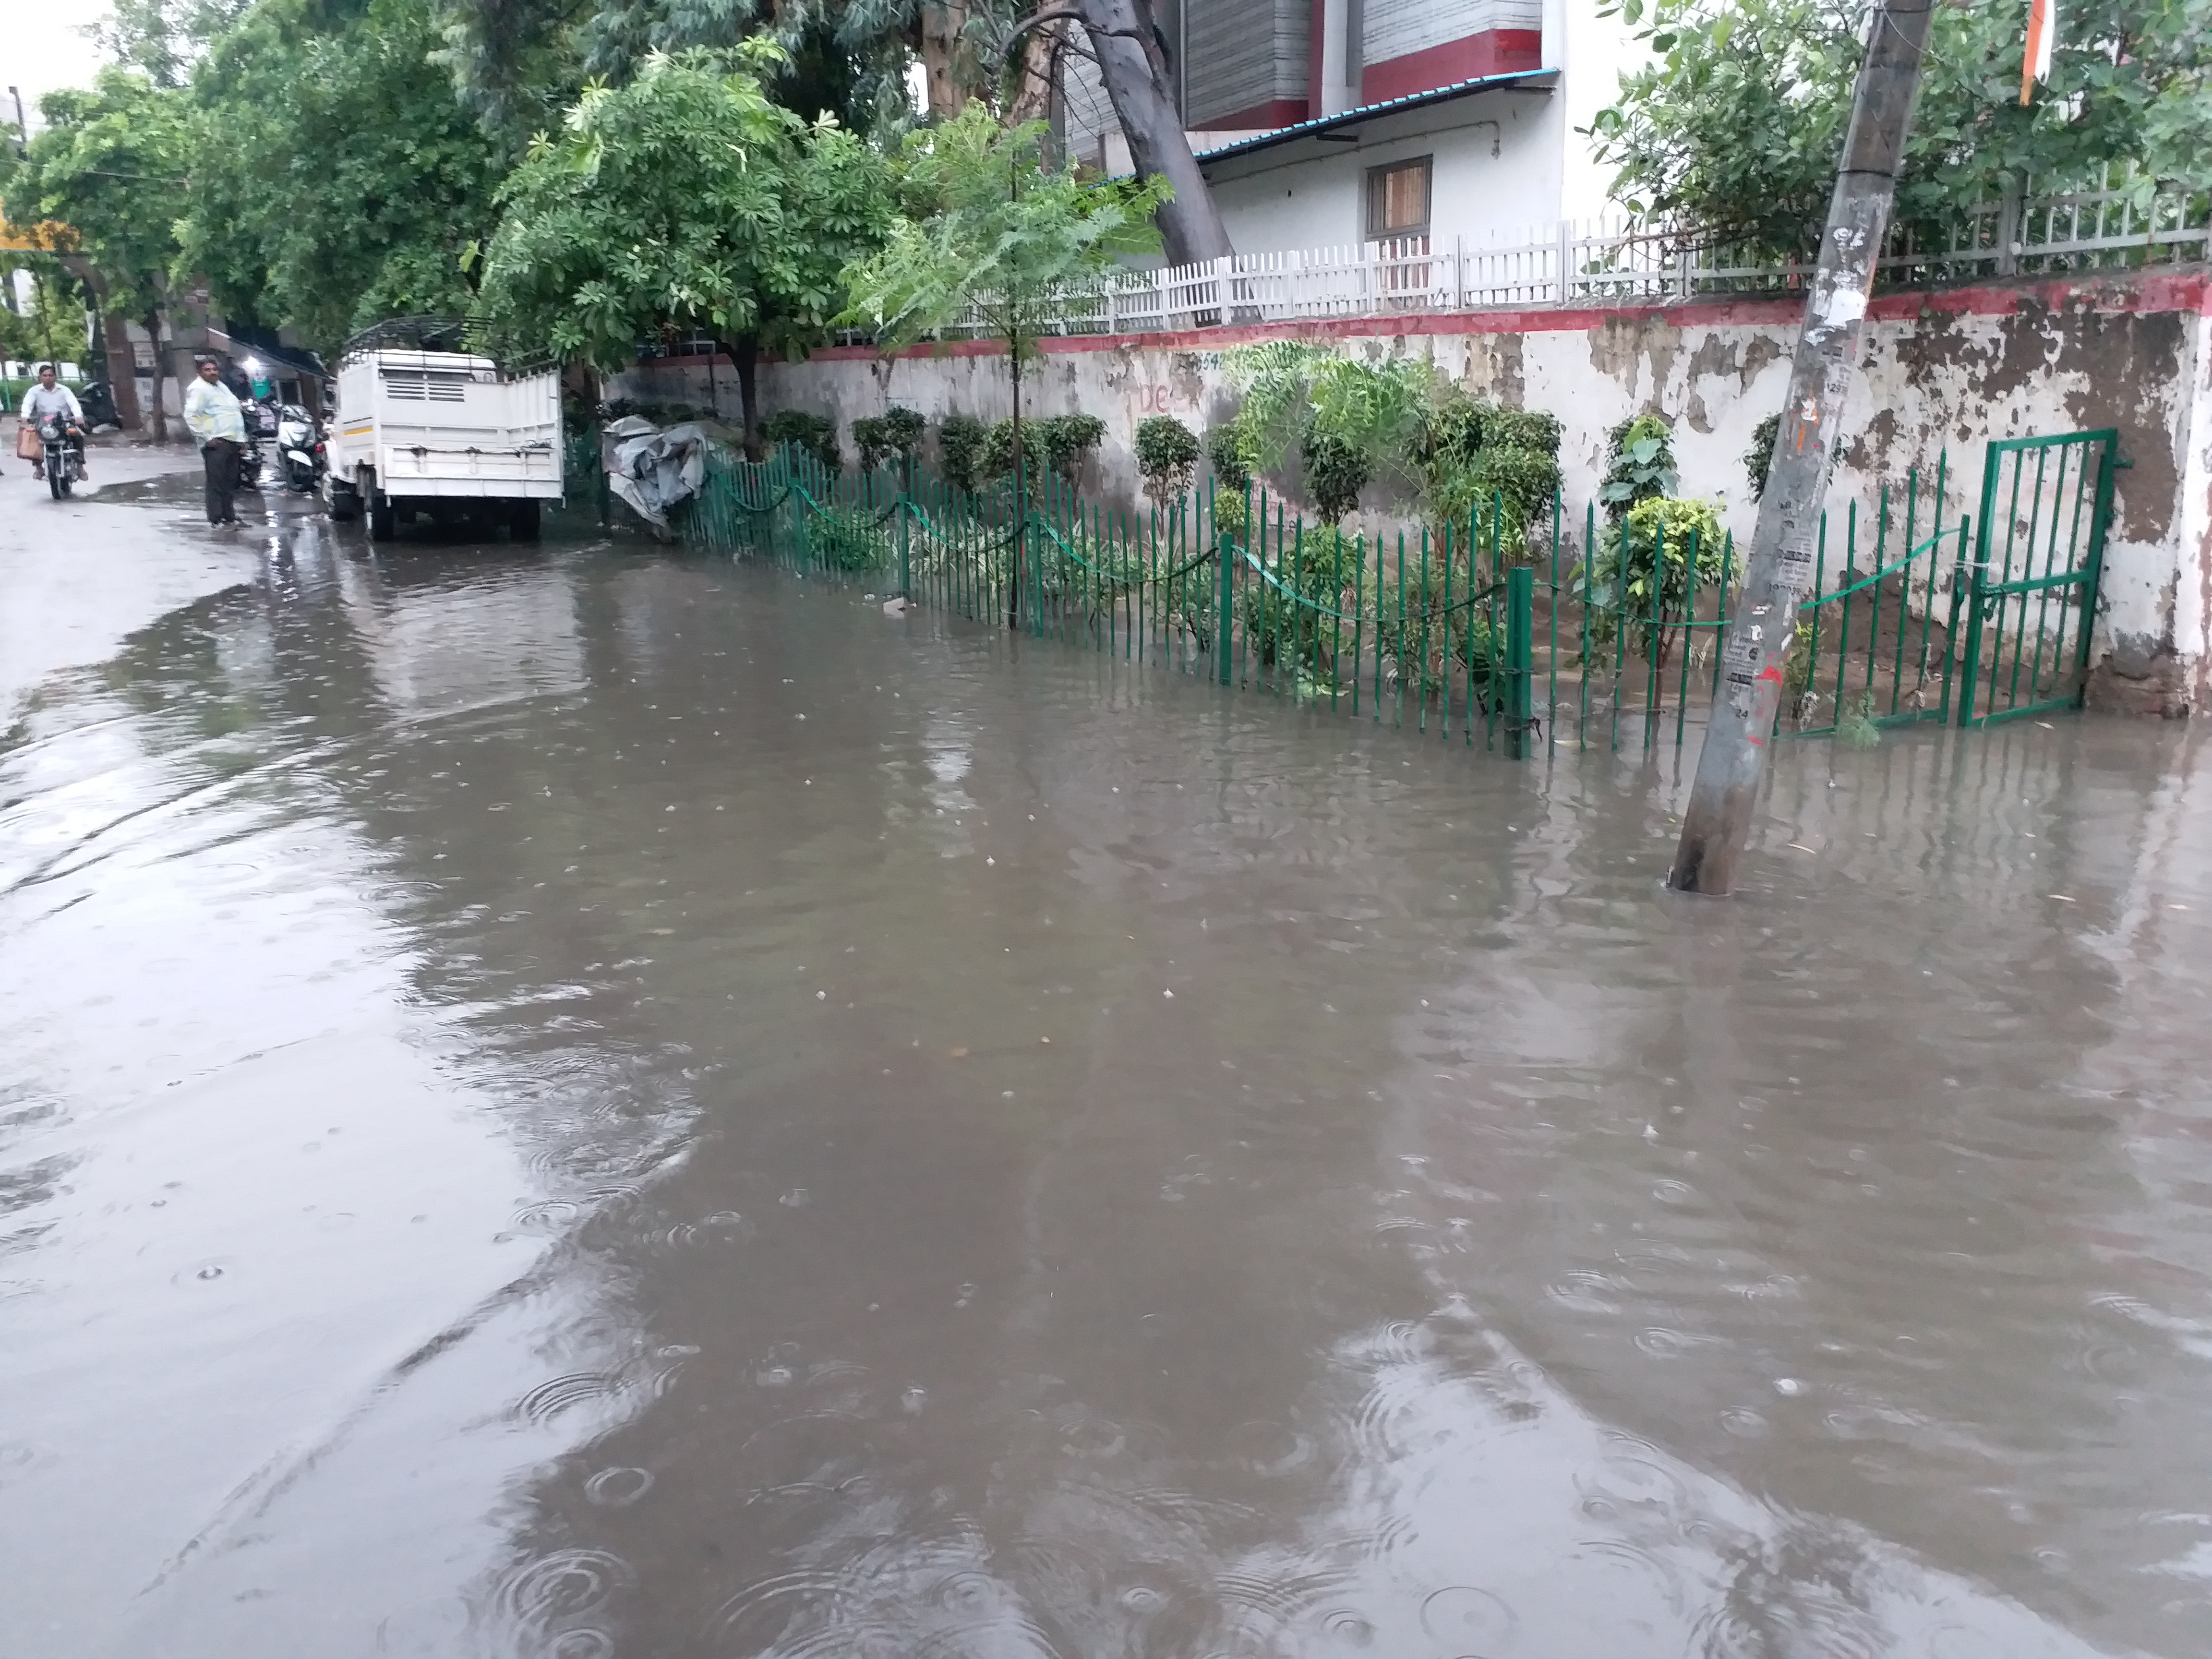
1494,52
2129,294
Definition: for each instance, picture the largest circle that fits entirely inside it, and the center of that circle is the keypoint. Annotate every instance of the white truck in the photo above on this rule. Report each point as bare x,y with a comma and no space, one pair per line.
426,427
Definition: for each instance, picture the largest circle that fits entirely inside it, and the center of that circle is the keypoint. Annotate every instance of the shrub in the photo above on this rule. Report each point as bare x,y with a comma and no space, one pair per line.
1167,456
994,456
1521,429
1761,455
1527,480
1225,451
1639,466
1335,473
895,433
959,443
815,434
1469,452
1675,545
850,539
1067,439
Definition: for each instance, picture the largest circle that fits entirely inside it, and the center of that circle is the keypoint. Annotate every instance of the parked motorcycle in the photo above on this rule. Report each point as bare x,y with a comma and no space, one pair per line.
299,449
64,461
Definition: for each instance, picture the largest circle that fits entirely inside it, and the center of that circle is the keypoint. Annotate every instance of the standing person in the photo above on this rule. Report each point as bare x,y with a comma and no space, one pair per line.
49,397
213,414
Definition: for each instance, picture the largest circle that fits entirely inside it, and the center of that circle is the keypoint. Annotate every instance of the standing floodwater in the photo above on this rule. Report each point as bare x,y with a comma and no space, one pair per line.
580,1103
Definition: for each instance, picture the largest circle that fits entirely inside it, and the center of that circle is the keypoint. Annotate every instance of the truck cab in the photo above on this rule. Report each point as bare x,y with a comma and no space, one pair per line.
427,427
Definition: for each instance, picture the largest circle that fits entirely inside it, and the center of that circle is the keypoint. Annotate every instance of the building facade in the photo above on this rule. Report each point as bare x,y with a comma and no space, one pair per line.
1326,123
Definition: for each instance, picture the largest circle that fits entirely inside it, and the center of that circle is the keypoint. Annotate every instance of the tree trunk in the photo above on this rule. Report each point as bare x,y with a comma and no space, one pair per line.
941,23
153,333
1121,32
1036,72
744,352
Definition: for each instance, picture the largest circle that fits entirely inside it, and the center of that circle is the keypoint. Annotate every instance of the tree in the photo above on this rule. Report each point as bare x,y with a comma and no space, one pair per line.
1134,68
685,201
110,164
1735,127
335,180
990,229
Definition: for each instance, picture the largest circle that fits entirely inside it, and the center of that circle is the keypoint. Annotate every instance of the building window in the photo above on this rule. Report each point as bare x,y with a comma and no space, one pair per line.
1398,200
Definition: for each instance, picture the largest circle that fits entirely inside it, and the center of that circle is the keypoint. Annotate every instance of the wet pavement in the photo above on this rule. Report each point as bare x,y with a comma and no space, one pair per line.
578,1102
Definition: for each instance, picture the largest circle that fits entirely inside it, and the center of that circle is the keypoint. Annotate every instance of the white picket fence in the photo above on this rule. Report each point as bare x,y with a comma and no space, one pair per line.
2115,226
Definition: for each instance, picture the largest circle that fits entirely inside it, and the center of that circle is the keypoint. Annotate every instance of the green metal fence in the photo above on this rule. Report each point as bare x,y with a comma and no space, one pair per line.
1432,634
1567,634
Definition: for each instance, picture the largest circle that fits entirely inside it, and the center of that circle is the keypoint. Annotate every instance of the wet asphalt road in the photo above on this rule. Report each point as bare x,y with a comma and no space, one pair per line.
573,1101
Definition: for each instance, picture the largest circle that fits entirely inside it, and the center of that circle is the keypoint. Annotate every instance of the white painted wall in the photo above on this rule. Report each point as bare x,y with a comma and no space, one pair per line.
1268,203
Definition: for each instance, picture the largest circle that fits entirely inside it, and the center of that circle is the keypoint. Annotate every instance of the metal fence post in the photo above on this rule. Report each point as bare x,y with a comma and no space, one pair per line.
1520,658
1223,551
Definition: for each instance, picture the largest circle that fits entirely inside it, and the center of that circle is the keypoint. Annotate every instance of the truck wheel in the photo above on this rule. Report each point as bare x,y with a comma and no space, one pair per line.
522,520
344,502
383,517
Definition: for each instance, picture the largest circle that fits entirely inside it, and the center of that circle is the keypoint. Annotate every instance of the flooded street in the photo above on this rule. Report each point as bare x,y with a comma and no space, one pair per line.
574,1102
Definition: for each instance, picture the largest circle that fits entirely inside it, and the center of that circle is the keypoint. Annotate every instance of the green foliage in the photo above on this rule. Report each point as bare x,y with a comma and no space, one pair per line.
684,201
850,539
1761,456
110,164
959,449
987,228
1470,455
1335,471
1647,573
1287,613
335,181
1736,123
1167,456
995,460
1855,726
1639,466
1067,439
1225,453
817,434
897,432
1276,379
1232,512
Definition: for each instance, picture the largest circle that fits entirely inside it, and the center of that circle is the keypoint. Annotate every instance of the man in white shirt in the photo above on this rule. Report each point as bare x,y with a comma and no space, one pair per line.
49,397
212,413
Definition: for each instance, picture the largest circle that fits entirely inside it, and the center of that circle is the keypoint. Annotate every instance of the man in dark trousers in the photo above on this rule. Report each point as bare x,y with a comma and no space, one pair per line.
212,413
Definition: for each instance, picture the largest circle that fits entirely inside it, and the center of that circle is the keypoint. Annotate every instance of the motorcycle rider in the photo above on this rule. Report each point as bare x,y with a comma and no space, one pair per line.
211,412
50,397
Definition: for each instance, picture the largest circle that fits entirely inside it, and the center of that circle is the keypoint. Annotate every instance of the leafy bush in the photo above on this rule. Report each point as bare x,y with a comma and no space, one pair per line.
1761,455
1335,473
1167,456
896,432
1067,439
850,539
1231,513
817,434
959,444
1639,466
1290,617
1527,480
1531,429
1672,546
1225,453
994,457
1467,452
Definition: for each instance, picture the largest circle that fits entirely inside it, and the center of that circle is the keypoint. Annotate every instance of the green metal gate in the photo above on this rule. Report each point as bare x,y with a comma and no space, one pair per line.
2031,594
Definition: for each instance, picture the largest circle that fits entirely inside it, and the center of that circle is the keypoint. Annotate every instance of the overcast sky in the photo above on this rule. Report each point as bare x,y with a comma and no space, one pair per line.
40,48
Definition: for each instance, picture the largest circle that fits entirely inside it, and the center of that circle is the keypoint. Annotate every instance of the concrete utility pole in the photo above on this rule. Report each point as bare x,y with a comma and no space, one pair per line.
1780,568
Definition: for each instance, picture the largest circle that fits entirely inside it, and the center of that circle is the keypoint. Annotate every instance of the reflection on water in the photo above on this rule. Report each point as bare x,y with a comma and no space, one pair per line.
579,1104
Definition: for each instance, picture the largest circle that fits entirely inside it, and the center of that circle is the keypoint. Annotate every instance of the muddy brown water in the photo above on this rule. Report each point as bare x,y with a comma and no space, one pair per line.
583,1102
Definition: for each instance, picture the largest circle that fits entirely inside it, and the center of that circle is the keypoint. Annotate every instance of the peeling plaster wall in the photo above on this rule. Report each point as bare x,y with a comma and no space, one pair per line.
1941,372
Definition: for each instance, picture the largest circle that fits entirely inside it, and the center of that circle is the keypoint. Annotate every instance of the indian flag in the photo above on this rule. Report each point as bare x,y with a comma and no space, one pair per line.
2042,29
